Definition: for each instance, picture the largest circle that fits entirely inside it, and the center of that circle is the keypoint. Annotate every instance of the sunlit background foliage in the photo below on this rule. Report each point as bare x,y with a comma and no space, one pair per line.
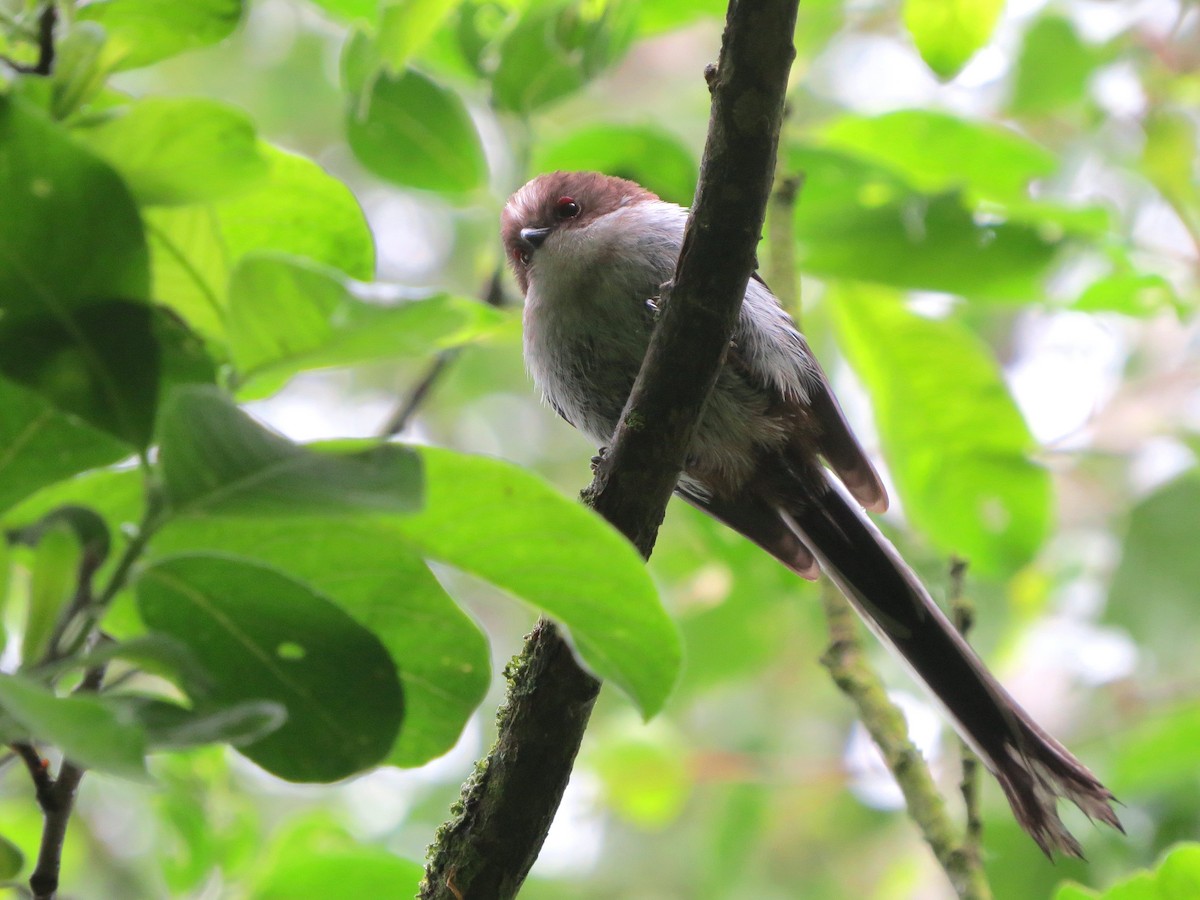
998,233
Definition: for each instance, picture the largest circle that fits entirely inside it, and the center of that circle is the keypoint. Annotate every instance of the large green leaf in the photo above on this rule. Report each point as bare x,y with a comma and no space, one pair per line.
1052,69
145,31
70,234
286,316
648,155
953,437
216,460
174,150
441,654
417,133
87,731
405,26
949,32
557,47
1177,877
299,209
935,151
503,524
861,221
39,444
189,264
263,636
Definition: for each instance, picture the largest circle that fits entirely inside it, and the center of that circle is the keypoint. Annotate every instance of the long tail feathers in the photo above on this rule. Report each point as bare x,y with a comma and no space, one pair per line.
1033,769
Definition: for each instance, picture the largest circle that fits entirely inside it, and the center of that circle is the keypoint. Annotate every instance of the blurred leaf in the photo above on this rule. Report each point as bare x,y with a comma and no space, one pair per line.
953,437
77,238
12,860
302,210
1169,160
508,527
557,47
1053,68
935,151
645,775
262,636
315,858
949,32
216,460
174,150
188,264
406,25
349,10
1177,877
855,220
364,567
41,445
417,133
650,156
82,63
1127,292
655,16
1158,754
144,31
1153,587
172,727
87,731
54,570
326,324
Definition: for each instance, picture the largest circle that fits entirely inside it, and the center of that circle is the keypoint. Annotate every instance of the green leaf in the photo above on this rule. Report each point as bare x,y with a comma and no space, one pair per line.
1128,292
666,15
1153,587
417,133
71,235
216,460
645,773
1177,877
953,437
55,569
405,26
653,158
350,10
144,31
1052,69
860,221
1168,160
935,151
557,47
88,732
302,210
12,860
189,264
508,527
949,32
40,445
328,324
174,151
364,567
264,636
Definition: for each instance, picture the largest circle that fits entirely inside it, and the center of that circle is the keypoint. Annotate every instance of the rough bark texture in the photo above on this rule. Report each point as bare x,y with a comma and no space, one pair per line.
497,828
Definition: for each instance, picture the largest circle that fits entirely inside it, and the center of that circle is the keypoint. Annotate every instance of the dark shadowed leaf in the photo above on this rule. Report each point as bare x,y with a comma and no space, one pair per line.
263,636
952,435
364,567
417,133
11,859
144,31
216,460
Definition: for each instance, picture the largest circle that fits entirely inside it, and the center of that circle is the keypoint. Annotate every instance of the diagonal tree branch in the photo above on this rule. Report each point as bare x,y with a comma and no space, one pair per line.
498,827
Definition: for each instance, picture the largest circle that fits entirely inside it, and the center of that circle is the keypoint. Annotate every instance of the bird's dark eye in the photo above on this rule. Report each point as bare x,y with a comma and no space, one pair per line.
522,256
566,208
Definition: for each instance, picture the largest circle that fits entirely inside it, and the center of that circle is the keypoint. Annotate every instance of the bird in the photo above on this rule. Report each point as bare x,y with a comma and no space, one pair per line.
772,457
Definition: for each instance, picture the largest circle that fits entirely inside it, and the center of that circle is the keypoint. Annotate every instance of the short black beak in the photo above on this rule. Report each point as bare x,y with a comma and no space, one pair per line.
534,237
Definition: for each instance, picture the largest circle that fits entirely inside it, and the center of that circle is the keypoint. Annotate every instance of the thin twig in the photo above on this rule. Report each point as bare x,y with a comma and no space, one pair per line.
963,613
399,419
